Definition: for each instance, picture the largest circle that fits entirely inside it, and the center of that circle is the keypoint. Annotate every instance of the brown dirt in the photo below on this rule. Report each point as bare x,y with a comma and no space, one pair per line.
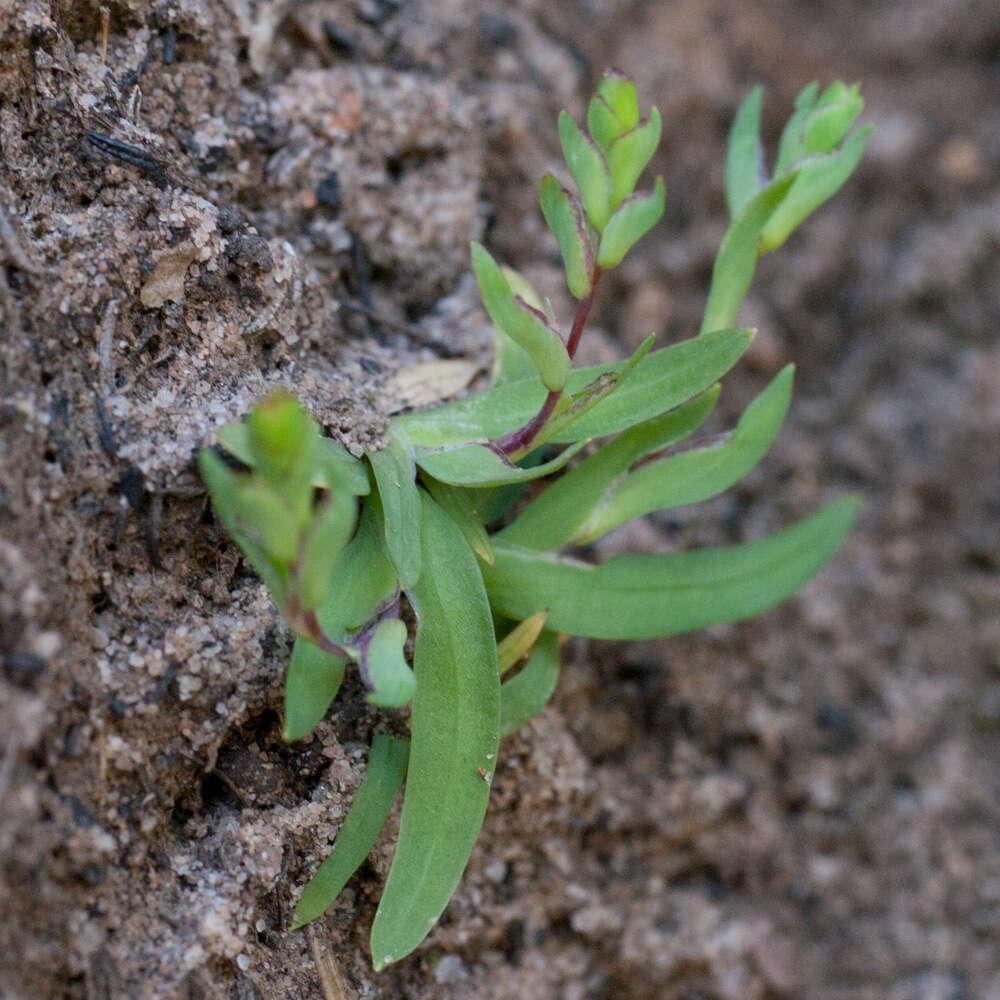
806,805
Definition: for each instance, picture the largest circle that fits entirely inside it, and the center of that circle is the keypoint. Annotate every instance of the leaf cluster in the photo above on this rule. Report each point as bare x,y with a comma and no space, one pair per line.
443,518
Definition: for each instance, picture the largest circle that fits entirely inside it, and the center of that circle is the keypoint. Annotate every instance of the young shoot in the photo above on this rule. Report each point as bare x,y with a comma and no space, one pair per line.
339,541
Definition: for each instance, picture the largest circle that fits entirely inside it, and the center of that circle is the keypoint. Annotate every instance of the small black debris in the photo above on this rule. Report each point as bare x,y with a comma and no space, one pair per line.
840,723
23,669
328,191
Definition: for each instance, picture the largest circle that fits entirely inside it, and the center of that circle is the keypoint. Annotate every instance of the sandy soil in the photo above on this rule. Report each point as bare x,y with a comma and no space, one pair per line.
255,193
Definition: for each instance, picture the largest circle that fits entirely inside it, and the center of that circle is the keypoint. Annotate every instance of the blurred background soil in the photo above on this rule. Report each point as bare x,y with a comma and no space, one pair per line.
805,805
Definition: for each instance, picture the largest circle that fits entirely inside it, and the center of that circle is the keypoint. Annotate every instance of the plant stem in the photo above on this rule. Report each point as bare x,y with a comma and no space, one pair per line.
582,311
520,440
315,632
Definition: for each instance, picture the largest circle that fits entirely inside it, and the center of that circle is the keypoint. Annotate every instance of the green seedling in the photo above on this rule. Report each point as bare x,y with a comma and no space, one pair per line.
467,512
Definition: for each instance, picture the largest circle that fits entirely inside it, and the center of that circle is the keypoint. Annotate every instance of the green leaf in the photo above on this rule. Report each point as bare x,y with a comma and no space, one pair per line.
360,580
744,157
559,514
390,674
311,684
235,438
651,390
589,169
399,500
525,324
524,696
564,216
634,218
629,154
511,362
332,526
602,122
460,505
267,519
696,475
330,462
334,464
736,260
645,596
791,147
572,408
832,117
517,643
360,829
455,731
492,504
662,380
223,485
817,180
280,434
619,92
477,465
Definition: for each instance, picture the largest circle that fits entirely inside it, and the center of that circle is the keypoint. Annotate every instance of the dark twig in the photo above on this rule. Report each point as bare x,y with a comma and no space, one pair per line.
135,156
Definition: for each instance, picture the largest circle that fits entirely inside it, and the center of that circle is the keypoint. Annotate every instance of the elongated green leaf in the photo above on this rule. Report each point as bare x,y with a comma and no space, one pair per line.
559,514
571,407
791,147
311,684
736,260
493,503
589,169
636,215
460,505
335,464
649,391
330,531
390,673
744,157
360,579
644,596
511,362
564,216
330,463
524,696
223,485
696,475
400,504
817,180
662,380
266,519
360,829
526,325
475,465
455,731
629,154
518,642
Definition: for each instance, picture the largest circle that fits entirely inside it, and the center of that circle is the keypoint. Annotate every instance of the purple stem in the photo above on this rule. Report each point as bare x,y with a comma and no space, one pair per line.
315,632
520,440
